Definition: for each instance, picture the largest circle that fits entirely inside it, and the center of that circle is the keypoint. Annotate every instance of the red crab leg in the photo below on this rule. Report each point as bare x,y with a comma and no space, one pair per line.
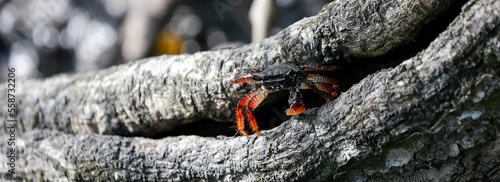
323,68
321,79
240,117
296,103
243,80
327,88
254,102
311,85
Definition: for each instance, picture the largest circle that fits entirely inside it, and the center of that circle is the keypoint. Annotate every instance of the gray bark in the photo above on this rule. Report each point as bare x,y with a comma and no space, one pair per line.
150,96
434,117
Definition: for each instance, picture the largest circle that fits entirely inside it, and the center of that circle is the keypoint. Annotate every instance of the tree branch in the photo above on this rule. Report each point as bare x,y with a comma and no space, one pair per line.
154,95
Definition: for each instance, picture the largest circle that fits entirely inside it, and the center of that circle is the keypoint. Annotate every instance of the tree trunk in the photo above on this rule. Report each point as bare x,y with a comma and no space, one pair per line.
433,117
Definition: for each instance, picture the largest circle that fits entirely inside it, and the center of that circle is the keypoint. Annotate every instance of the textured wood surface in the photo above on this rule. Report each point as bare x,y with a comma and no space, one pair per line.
153,95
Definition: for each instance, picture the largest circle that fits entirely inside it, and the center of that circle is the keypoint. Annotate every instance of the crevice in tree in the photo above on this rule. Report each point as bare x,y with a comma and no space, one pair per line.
355,69
206,128
352,71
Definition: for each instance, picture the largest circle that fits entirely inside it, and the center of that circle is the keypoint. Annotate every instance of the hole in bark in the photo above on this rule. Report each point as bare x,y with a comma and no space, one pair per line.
206,128
273,114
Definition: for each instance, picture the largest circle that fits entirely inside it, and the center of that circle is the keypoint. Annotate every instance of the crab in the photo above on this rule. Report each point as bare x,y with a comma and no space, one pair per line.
276,78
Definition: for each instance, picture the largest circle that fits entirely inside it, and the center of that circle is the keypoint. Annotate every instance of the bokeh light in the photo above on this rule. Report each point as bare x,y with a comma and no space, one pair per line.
43,38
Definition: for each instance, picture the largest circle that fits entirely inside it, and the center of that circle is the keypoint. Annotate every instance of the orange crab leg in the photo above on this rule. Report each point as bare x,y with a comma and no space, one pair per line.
241,122
321,79
254,102
324,87
314,68
310,85
243,80
296,103
240,117
253,123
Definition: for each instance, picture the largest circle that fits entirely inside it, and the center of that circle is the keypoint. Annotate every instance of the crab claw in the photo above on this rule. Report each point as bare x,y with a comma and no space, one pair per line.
295,109
296,103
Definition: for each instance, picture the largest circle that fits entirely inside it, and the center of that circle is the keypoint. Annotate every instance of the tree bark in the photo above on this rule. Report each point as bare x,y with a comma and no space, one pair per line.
434,117
150,96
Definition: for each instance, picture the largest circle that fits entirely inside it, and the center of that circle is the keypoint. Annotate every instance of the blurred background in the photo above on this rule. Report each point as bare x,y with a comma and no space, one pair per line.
41,38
